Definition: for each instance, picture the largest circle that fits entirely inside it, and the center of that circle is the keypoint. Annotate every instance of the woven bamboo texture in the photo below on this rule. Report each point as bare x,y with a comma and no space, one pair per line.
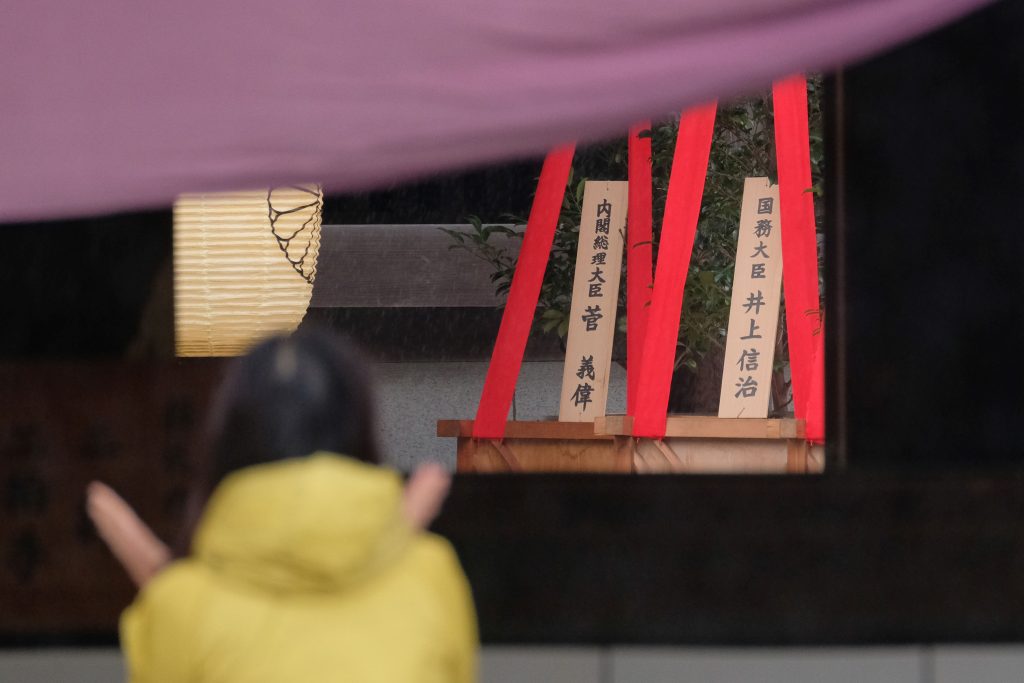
244,266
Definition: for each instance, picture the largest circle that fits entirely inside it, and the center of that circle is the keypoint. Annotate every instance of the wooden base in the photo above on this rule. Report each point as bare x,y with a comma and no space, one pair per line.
714,445
692,444
543,446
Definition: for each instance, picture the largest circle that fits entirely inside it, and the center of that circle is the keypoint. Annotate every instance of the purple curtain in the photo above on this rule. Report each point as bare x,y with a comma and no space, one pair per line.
115,105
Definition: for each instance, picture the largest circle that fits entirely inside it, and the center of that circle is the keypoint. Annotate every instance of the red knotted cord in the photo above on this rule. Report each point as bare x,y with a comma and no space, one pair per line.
516,321
799,240
639,259
679,227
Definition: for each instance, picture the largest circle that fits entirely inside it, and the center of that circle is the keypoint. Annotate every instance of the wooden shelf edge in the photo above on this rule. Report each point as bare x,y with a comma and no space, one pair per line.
709,427
526,429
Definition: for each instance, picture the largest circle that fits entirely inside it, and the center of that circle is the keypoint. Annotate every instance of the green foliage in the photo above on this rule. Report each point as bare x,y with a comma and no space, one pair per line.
743,145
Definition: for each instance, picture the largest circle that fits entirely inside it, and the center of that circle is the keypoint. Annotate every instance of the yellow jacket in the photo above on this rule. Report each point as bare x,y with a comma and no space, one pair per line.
304,570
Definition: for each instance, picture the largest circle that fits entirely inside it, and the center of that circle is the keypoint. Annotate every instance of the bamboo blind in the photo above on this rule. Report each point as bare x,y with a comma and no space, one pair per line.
244,266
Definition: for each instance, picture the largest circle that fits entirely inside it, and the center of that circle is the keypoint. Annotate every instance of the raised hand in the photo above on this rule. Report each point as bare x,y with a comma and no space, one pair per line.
143,555
425,493
133,543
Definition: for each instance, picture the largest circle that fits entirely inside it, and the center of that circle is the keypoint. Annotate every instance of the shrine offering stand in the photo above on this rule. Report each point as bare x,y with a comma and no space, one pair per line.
542,446
692,444
705,444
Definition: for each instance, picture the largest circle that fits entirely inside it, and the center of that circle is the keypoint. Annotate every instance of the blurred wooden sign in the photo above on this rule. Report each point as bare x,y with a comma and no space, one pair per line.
595,295
754,314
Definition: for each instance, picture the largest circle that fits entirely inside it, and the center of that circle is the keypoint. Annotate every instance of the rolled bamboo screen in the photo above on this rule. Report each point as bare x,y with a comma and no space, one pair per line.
244,266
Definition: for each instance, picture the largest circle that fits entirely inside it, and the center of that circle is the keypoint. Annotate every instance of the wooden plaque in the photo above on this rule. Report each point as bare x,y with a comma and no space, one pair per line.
754,314
595,295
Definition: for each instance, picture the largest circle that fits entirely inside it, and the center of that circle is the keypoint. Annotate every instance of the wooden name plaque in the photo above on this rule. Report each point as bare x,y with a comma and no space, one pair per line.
595,296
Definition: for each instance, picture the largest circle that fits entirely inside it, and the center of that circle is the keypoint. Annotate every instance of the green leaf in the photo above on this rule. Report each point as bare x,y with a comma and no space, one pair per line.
549,325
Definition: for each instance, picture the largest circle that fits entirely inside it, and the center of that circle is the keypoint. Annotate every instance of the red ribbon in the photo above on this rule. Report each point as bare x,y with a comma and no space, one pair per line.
639,276
682,209
516,321
815,428
799,241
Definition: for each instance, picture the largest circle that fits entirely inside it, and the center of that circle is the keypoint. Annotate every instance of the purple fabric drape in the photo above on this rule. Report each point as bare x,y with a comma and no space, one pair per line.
114,105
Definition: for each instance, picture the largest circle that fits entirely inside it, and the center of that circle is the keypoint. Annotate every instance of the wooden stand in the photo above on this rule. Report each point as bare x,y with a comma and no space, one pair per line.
544,446
692,444
695,443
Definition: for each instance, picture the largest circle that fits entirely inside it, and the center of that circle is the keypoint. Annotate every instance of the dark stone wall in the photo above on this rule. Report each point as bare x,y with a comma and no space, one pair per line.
924,318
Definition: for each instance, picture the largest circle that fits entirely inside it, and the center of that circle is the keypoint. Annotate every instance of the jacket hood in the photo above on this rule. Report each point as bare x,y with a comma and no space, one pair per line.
310,524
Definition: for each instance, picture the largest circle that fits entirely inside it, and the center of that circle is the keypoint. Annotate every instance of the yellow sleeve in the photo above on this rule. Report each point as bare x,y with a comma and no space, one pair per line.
467,639
463,639
156,628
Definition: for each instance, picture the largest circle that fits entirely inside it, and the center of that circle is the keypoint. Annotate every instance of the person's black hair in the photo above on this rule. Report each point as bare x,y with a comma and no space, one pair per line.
289,397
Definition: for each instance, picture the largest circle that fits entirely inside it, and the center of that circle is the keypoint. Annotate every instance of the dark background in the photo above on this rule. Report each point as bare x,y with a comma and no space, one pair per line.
101,288
926,262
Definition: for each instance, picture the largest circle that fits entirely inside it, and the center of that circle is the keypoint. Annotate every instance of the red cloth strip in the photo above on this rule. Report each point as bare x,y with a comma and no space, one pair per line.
815,429
799,242
639,259
682,209
516,321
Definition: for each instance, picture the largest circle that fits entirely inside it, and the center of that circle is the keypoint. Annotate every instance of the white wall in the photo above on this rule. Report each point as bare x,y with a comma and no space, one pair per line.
946,664
411,397
60,665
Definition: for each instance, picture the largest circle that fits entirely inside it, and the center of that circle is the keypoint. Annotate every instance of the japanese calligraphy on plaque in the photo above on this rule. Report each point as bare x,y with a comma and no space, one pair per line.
754,315
595,294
